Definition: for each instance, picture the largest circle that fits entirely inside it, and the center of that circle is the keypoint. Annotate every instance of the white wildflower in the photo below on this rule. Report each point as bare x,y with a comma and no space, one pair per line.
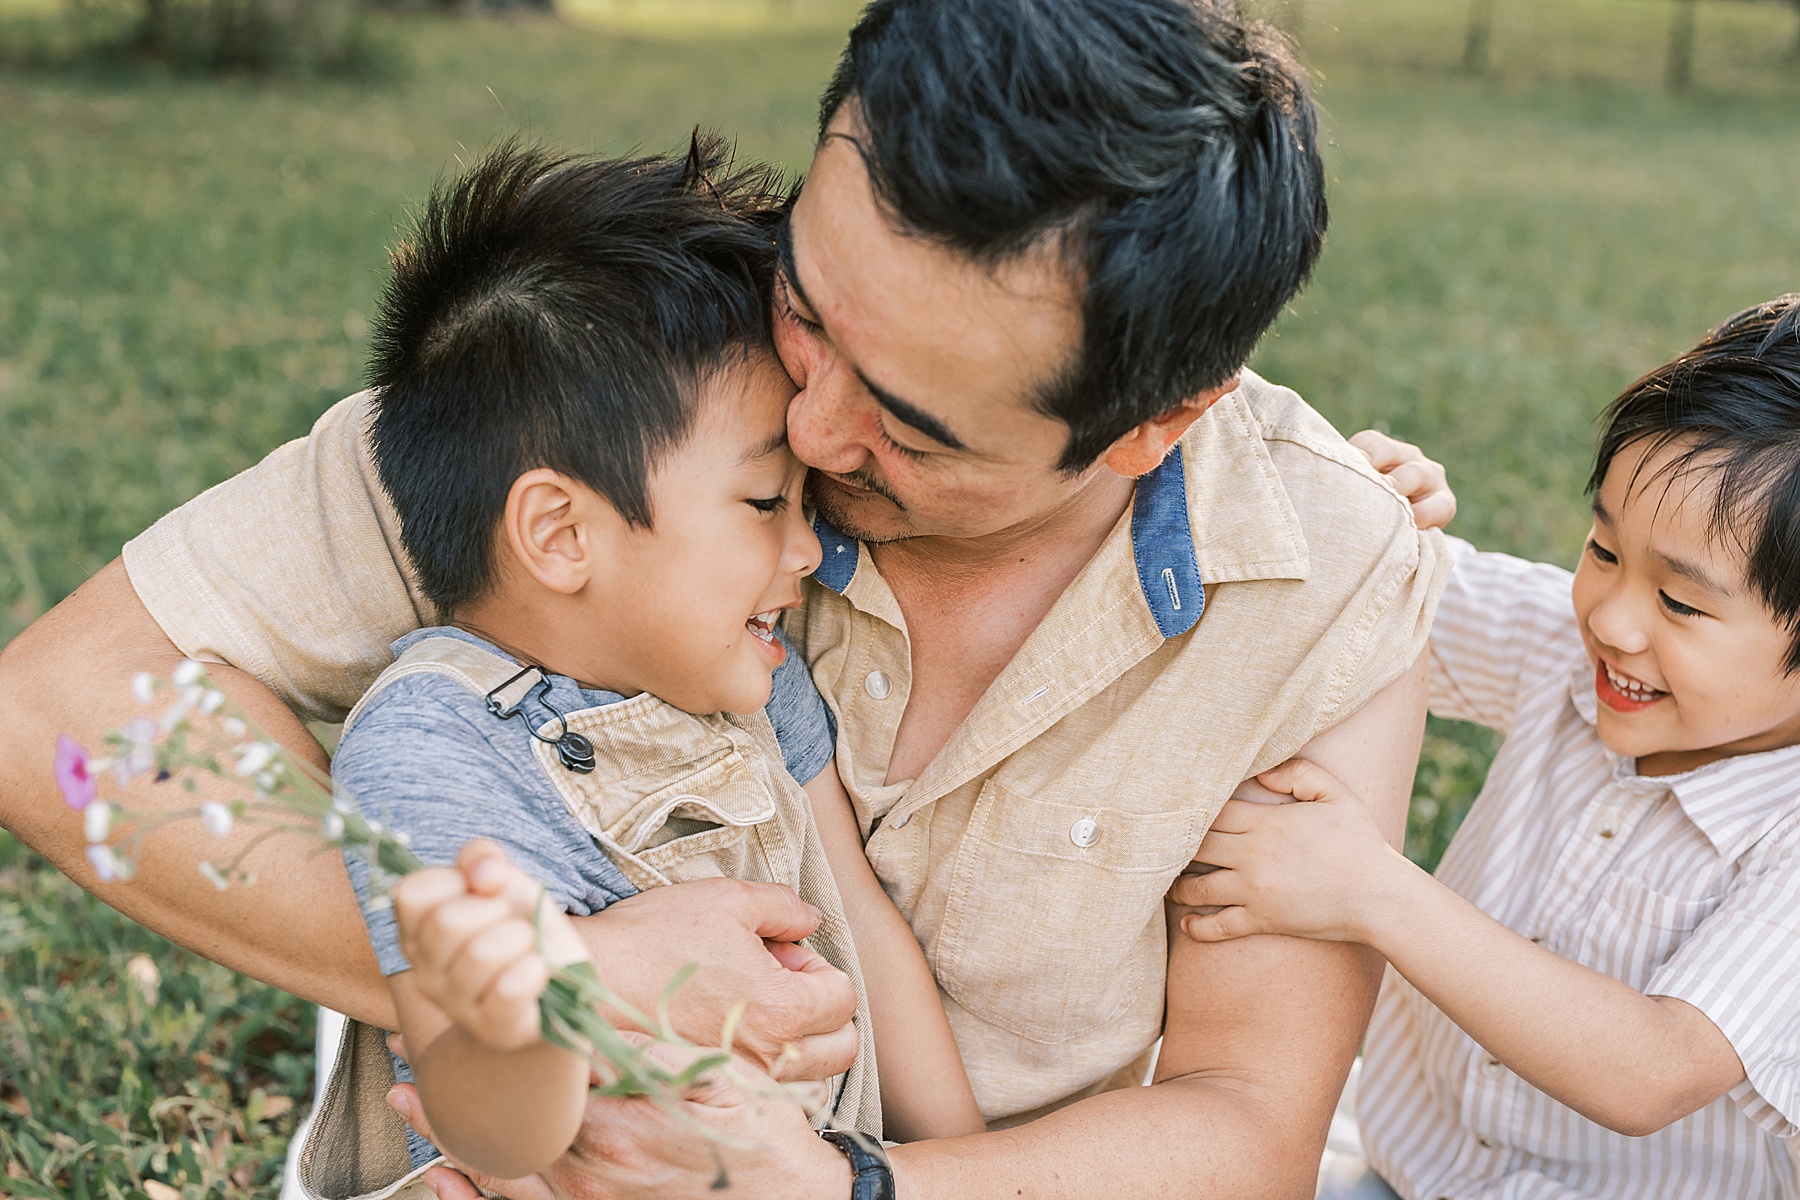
177,713
217,818
254,757
188,672
233,727
141,761
210,701
332,827
143,687
143,972
265,781
139,731
214,876
104,864
96,821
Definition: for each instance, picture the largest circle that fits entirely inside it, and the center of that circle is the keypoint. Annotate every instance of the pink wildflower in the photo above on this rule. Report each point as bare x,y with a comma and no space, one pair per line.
74,776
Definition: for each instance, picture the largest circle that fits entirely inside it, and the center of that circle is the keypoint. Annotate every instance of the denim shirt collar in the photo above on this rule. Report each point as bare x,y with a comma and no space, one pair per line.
1162,543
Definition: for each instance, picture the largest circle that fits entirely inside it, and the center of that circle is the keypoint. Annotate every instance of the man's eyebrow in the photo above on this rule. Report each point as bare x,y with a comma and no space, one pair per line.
784,259
1600,513
773,444
906,414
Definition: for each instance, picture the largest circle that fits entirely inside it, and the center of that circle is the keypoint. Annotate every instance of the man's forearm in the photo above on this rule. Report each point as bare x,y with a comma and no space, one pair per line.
1195,1138
297,927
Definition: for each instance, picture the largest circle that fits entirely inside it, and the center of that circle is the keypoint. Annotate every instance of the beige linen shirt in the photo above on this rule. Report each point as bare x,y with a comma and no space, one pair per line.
1264,584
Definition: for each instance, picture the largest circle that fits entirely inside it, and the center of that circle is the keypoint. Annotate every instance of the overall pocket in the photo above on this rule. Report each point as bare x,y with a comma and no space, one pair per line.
667,819
1053,926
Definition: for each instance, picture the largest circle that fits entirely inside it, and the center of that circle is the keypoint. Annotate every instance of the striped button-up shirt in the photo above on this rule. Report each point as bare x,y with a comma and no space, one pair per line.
1685,885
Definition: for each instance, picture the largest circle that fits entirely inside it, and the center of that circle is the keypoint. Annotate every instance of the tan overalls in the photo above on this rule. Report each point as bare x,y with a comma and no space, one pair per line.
672,797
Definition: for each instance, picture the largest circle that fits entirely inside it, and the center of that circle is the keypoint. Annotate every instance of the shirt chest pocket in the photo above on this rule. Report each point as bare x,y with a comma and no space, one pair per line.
1053,923
677,822
1635,928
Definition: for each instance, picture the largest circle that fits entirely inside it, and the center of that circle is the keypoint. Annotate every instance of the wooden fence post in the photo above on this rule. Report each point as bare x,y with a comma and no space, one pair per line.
1480,36
1681,45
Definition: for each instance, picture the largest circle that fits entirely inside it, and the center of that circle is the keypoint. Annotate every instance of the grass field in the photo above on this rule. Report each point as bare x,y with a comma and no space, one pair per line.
187,269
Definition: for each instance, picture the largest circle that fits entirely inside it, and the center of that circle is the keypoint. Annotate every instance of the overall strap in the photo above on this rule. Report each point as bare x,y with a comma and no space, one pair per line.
480,670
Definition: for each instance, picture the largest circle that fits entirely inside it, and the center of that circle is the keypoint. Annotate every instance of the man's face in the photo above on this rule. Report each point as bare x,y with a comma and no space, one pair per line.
918,368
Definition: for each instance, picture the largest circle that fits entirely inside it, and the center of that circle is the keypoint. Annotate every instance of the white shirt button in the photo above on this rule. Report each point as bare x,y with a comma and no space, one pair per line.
1492,1068
1084,832
879,686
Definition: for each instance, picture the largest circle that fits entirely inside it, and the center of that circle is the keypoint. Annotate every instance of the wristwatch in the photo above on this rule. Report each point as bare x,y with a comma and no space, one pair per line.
871,1177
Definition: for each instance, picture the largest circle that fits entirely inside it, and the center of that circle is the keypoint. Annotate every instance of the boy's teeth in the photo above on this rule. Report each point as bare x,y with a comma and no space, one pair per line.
1631,688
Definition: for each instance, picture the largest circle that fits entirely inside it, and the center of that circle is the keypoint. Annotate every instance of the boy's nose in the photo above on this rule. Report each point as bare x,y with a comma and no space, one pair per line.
1616,627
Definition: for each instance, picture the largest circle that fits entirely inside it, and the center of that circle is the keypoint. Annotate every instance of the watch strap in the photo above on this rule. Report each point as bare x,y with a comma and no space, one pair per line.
871,1176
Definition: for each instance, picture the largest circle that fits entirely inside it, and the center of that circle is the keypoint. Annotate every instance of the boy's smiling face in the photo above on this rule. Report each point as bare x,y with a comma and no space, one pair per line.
1688,661
693,601
686,609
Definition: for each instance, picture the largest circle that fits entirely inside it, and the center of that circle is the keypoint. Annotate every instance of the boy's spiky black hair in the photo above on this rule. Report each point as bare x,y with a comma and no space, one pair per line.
1732,405
548,311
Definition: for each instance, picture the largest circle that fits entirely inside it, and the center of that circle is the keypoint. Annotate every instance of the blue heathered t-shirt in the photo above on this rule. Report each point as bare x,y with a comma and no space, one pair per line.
428,759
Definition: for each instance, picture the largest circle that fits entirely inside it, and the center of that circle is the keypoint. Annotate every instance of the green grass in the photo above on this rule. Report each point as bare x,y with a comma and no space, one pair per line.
187,270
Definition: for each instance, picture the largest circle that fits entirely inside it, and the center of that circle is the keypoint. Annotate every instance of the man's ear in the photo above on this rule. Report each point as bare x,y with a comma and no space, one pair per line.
1143,448
549,527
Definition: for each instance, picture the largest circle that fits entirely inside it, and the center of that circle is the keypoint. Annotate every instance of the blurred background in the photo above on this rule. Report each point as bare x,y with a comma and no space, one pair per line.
1534,201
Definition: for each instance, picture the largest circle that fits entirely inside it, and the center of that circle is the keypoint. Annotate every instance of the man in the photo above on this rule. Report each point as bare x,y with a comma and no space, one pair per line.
1064,611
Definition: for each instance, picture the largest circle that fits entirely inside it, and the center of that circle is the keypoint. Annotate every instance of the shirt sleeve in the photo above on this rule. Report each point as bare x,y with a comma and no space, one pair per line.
428,762
1504,623
291,571
1741,968
803,725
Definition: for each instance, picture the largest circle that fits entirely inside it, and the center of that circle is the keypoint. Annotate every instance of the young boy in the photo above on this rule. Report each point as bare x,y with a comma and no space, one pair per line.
583,433
1599,993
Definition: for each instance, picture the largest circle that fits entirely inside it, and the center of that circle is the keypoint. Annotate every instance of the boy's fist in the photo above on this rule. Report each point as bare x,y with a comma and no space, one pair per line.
471,933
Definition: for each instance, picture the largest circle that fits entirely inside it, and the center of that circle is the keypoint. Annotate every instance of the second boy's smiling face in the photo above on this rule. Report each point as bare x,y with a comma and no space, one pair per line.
1688,662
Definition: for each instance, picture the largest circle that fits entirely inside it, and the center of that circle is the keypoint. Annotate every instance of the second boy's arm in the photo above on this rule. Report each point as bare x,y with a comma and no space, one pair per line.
924,1088
1631,1062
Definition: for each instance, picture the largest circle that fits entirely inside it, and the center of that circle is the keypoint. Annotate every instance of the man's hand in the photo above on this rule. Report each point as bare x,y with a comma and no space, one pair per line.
798,1007
1307,870
631,1149
1422,481
472,933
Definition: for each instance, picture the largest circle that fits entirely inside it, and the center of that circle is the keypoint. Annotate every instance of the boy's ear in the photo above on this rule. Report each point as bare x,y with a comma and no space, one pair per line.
548,525
1143,447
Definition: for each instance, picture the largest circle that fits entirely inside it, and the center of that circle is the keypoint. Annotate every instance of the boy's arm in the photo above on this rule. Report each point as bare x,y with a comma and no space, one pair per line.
500,1097
1322,870
924,1089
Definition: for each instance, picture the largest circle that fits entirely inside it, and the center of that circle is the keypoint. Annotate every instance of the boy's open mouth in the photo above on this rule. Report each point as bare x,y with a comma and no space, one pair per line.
763,625
1622,693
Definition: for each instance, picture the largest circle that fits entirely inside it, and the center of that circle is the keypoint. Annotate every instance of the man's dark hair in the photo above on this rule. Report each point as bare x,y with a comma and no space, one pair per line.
1732,405
558,312
1169,144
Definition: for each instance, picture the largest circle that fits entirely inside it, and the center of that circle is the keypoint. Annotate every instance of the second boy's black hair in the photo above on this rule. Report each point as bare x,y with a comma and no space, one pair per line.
1170,146
1732,405
558,312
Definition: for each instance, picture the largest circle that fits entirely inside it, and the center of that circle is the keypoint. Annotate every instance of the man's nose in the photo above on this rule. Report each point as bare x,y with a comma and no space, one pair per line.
822,428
